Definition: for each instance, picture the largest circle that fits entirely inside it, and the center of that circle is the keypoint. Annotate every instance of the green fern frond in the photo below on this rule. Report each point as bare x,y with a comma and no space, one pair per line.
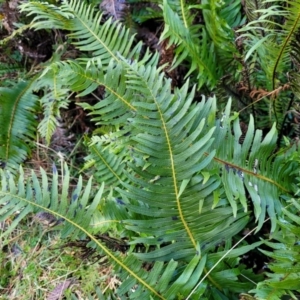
284,268
27,196
248,166
88,32
173,157
183,10
219,17
217,27
192,43
76,209
278,38
230,11
86,80
47,15
18,124
54,99
109,165
152,99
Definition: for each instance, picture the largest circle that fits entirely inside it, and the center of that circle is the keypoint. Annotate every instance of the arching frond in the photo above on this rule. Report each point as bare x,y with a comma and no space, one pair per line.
248,166
169,140
17,122
88,32
75,210
86,80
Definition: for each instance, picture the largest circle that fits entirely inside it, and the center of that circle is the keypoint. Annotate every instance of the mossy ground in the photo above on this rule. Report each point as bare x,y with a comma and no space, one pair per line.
34,264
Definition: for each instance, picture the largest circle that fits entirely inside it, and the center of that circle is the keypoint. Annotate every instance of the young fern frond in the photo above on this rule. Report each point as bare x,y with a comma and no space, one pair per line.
17,122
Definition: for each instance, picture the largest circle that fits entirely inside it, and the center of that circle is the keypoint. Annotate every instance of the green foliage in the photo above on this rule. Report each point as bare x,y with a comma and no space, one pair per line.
269,39
53,100
283,270
190,44
18,124
177,176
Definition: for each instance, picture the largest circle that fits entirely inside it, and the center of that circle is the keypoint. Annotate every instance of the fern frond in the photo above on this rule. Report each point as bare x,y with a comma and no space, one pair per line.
88,32
248,166
183,10
86,80
278,37
231,12
26,196
18,124
54,99
167,137
192,43
284,268
218,29
77,210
